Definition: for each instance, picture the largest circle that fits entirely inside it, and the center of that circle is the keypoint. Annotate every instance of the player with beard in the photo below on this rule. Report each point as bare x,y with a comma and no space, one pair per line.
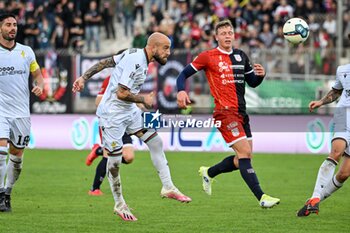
17,62
118,113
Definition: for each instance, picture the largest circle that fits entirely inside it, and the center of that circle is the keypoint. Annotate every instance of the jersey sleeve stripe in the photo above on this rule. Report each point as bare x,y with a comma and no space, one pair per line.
248,72
194,67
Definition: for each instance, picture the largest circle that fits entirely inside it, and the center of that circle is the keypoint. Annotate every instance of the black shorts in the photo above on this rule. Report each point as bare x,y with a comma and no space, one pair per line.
126,139
246,127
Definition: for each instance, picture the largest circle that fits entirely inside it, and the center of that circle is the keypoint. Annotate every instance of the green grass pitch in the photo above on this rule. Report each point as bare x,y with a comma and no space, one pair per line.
51,196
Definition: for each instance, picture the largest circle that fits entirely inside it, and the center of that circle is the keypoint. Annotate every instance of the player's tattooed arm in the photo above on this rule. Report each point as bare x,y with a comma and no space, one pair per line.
123,93
331,96
105,63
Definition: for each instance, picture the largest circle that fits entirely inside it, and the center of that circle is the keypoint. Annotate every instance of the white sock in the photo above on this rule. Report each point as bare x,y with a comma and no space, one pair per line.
3,157
113,176
14,168
159,160
324,176
331,187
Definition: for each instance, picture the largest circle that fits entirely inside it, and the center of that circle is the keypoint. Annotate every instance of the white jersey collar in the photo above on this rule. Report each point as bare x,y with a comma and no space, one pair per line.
9,49
223,51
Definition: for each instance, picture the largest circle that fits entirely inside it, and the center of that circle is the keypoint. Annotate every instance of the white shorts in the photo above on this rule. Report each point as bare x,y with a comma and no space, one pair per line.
16,130
113,128
342,126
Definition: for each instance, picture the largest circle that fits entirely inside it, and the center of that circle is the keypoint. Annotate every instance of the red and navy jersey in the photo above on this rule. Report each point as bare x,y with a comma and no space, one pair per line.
104,86
226,76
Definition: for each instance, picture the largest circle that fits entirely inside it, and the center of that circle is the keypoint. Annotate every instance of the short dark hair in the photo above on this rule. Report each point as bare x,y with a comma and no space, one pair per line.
6,15
223,23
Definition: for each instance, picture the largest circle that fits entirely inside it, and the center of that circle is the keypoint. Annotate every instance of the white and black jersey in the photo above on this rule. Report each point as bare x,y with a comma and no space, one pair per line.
15,67
342,82
130,72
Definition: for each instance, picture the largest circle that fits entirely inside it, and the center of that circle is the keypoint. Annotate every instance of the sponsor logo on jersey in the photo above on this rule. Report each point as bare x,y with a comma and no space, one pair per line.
223,66
238,67
237,57
225,81
132,75
10,70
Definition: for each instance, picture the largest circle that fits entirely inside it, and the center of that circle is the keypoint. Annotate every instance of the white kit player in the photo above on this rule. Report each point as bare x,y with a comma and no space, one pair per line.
118,113
326,182
17,62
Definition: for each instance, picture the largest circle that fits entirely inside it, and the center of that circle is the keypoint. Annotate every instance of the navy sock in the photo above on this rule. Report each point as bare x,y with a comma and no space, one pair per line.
226,165
250,178
100,173
99,151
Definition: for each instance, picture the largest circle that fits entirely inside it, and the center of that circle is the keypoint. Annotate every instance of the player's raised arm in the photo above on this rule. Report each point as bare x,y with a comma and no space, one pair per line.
78,85
331,96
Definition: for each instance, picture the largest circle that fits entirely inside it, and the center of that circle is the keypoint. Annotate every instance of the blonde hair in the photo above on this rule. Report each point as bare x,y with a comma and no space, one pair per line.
223,23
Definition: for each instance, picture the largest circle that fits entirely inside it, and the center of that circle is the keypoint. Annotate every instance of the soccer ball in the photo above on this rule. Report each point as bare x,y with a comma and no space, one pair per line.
296,30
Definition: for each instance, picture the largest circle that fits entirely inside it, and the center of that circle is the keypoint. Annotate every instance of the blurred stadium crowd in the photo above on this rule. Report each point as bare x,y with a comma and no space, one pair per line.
78,23
96,26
